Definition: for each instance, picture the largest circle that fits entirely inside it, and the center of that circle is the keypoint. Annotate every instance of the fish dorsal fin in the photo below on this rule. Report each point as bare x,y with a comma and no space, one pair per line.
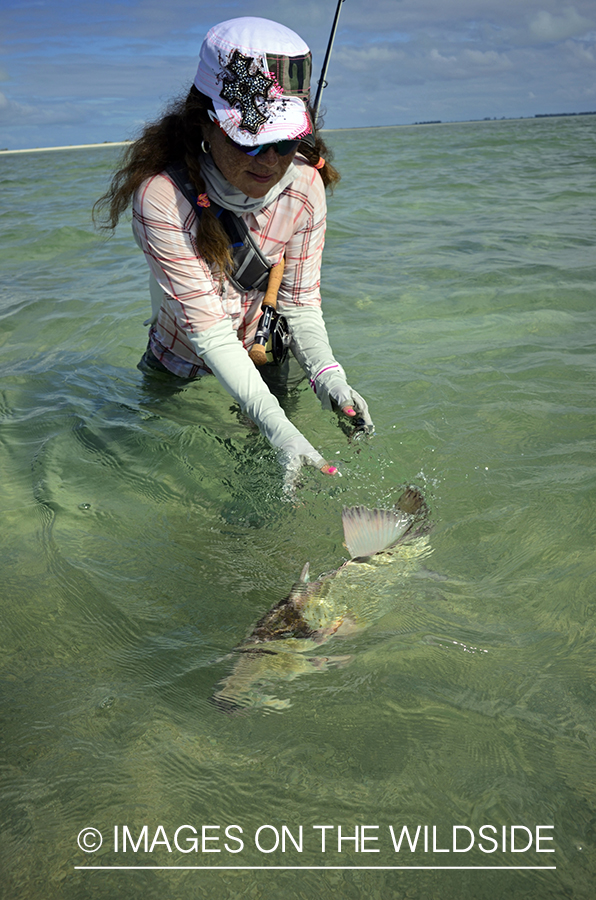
370,531
304,573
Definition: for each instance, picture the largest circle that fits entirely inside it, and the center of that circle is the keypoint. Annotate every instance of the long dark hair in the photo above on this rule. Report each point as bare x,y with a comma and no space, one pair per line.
176,136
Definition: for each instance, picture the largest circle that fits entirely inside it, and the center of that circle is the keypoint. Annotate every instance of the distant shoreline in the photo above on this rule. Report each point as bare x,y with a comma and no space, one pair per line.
353,128
68,147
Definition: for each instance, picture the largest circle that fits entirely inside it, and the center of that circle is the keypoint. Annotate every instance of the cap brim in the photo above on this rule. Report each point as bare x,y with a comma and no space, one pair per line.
286,120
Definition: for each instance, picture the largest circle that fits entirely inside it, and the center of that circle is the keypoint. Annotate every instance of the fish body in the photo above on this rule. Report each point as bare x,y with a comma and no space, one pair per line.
308,616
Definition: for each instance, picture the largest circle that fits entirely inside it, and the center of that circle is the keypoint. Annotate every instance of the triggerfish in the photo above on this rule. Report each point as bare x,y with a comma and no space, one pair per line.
314,611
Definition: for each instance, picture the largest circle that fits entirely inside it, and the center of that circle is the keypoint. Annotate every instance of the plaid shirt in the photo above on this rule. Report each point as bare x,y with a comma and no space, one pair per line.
194,299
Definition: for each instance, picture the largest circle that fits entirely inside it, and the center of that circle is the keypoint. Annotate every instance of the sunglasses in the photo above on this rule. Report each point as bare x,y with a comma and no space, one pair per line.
282,148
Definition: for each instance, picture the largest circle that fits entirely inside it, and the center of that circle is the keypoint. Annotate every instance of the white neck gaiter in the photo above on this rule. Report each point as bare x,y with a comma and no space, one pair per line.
221,191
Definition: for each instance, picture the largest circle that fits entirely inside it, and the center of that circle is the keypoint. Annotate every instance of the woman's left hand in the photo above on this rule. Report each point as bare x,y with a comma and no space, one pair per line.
358,411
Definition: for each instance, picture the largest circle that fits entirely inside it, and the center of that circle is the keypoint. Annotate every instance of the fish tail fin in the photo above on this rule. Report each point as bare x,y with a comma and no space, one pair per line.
370,531
412,502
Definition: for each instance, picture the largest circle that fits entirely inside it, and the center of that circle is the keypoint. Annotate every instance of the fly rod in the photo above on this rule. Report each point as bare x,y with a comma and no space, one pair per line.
322,82
269,306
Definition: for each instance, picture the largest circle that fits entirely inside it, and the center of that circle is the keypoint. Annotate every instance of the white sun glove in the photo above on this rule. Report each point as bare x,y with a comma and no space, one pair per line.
310,345
228,360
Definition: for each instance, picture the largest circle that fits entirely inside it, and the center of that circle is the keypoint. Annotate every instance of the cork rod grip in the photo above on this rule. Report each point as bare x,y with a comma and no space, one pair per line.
275,276
257,351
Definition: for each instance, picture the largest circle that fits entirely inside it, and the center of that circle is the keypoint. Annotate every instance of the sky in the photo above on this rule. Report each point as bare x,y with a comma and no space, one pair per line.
88,71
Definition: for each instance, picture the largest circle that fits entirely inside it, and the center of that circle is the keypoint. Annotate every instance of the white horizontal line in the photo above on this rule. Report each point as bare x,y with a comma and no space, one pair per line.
69,147
314,868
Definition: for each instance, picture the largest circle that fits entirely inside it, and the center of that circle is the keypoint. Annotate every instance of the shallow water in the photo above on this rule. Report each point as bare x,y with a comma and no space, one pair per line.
146,531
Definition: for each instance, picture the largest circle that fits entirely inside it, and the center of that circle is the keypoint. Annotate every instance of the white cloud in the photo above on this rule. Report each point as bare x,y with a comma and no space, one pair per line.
369,57
12,113
545,26
582,54
436,57
487,59
469,63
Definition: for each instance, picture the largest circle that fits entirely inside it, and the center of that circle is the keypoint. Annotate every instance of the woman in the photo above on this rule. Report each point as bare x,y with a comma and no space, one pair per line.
244,141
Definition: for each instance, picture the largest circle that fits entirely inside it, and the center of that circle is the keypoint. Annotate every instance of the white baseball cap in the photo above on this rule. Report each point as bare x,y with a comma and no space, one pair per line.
257,73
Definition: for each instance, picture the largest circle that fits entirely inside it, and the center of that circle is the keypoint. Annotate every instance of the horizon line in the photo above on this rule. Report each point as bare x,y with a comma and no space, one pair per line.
488,119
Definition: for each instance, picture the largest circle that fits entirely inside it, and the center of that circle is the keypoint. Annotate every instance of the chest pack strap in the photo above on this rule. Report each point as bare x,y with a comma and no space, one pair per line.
251,268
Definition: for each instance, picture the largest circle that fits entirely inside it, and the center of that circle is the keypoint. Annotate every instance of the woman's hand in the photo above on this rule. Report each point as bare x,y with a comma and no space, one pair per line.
328,469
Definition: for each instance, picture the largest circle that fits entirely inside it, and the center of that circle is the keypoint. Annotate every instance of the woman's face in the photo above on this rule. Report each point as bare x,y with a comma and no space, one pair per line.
253,175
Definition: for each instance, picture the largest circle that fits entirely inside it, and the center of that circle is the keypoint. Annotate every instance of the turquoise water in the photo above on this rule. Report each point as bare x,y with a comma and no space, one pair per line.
146,530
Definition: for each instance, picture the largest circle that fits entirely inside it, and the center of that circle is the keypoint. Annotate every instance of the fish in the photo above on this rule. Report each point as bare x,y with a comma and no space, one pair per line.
276,647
